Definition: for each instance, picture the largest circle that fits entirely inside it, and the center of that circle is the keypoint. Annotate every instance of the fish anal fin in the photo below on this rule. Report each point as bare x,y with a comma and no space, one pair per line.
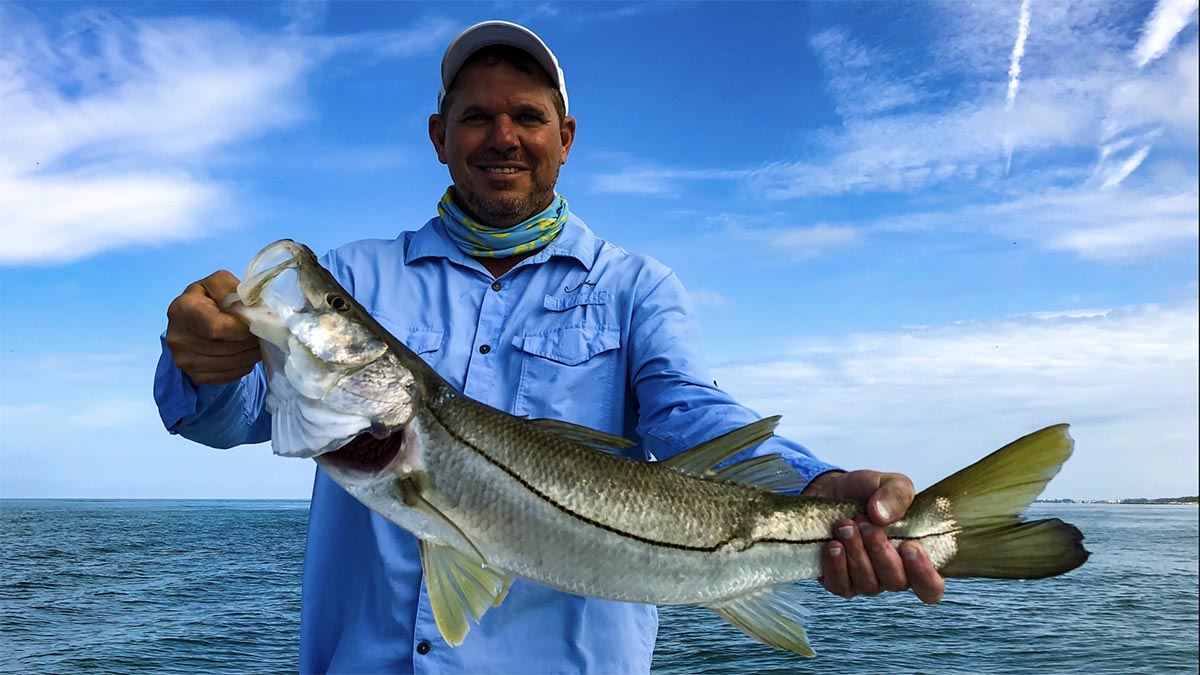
459,587
771,616
769,472
700,460
584,435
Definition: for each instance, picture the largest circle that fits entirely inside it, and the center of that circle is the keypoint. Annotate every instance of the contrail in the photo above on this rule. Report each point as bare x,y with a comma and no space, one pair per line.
1014,74
1014,69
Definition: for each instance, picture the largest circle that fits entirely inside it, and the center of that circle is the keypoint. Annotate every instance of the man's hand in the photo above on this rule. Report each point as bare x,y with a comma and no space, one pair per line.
208,345
860,560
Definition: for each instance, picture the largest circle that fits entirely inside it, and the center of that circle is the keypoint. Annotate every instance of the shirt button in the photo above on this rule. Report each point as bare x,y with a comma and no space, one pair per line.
423,647
483,349
496,285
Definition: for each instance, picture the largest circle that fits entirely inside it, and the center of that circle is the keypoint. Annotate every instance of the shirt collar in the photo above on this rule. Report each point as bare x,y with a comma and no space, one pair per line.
575,240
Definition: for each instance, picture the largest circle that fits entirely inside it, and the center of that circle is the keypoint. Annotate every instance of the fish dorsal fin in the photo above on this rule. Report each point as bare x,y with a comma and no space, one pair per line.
584,435
459,587
700,460
769,472
770,615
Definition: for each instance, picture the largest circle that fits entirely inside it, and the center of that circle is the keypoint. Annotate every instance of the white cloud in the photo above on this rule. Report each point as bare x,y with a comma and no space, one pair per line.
71,215
1125,168
1165,22
114,127
858,83
1077,89
117,413
702,297
803,243
929,400
643,179
108,140
1118,225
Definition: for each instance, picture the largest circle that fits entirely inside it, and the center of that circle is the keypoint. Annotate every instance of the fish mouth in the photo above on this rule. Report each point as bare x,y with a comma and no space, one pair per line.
365,456
266,267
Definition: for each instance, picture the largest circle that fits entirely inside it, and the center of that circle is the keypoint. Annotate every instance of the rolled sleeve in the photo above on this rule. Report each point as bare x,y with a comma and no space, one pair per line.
219,416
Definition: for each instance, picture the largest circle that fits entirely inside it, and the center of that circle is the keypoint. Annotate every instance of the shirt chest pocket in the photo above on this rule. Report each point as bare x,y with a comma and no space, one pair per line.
570,357
426,342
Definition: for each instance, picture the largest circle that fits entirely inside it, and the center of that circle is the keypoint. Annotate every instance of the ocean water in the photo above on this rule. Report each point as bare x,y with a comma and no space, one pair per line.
214,587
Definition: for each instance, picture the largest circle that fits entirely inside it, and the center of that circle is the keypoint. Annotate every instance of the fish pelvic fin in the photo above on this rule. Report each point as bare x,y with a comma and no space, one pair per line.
986,500
459,587
771,616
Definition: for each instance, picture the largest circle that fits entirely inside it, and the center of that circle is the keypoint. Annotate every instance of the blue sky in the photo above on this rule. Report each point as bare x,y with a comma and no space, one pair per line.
917,230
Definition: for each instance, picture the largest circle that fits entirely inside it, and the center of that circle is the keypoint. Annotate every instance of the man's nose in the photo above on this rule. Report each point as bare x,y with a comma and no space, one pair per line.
504,134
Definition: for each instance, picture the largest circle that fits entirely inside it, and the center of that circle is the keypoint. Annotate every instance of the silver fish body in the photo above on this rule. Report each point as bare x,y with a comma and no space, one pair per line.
490,495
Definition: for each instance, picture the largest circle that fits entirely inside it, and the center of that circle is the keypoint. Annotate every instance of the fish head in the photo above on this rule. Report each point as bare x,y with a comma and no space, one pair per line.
332,371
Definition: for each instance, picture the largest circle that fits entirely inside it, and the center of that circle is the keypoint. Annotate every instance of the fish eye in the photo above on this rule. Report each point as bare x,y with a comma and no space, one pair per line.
337,302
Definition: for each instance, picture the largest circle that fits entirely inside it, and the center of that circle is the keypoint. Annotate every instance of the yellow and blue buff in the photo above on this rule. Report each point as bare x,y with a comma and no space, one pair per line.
479,240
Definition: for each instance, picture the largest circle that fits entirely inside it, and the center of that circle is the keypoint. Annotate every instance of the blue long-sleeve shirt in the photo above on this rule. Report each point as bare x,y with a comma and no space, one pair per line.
583,331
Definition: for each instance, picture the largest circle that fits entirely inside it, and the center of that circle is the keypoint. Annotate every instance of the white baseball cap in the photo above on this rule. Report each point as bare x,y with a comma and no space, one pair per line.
490,33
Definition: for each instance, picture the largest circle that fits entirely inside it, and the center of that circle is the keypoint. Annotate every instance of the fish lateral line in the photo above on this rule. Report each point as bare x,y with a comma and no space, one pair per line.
715,548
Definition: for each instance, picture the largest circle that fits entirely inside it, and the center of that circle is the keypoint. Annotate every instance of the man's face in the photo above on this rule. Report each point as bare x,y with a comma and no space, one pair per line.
502,141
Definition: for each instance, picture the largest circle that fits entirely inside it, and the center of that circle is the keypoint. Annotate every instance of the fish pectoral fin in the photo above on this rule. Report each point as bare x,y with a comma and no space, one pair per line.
700,460
770,615
769,472
411,495
459,587
584,435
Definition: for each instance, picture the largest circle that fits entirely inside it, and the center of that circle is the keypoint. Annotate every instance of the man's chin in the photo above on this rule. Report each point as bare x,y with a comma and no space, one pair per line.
499,213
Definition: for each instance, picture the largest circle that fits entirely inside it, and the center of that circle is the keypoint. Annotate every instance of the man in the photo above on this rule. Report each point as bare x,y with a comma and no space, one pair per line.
518,304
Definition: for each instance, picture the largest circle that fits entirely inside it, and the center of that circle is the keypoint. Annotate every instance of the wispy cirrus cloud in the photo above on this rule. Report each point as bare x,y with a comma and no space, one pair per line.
646,179
1166,21
860,81
1094,157
1123,225
115,127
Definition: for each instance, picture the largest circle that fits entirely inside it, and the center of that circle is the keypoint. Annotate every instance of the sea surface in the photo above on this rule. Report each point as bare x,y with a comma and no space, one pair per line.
214,587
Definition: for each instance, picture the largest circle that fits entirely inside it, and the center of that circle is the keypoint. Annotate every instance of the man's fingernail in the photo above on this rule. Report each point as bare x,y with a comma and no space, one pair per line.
883,511
835,551
866,529
846,532
909,553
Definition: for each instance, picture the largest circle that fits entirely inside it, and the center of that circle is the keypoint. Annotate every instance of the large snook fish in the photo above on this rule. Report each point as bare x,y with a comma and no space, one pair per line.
490,495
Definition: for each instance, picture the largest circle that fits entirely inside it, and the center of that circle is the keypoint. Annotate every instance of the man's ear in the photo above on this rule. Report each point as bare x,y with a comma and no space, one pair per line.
567,134
437,134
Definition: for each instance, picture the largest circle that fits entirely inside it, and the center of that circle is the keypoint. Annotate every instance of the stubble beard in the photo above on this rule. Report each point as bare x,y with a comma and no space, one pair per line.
504,212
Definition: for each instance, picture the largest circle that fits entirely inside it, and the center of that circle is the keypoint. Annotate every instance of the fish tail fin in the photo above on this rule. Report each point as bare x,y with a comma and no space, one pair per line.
985,502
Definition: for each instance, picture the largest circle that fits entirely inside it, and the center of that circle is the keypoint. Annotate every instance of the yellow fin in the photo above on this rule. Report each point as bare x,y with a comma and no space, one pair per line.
996,489
986,500
700,460
459,587
770,615
769,472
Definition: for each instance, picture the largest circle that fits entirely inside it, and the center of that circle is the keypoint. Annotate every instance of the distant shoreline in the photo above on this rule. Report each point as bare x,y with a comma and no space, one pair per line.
1140,501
